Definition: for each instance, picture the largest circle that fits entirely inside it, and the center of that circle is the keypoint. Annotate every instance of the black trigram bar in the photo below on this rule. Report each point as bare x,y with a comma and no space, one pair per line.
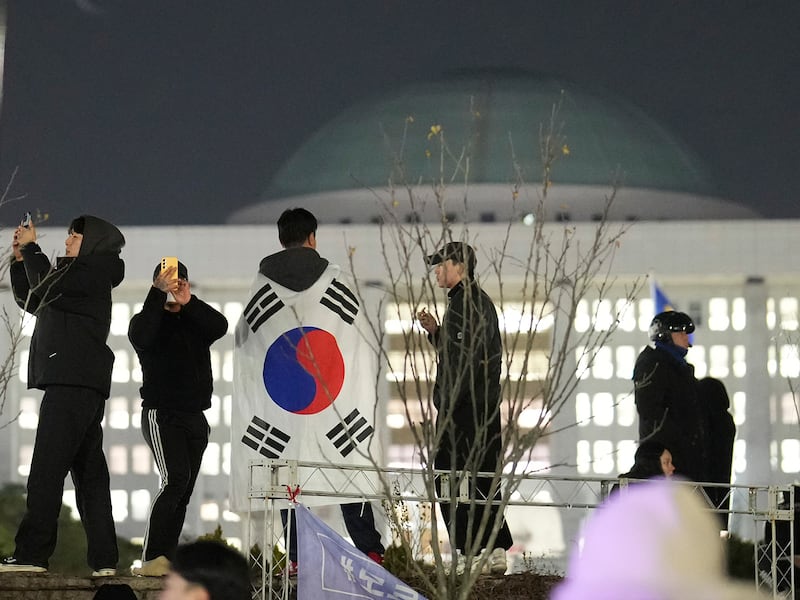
349,432
266,440
341,300
262,306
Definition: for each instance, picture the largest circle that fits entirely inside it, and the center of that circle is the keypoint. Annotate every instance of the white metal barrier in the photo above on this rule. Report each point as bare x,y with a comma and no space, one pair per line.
767,509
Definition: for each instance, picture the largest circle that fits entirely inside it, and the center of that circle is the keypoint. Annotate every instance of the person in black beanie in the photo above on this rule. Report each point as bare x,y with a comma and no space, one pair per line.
172,336
70,360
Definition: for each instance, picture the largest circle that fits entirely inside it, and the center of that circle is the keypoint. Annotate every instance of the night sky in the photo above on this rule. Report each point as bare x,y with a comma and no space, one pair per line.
178,112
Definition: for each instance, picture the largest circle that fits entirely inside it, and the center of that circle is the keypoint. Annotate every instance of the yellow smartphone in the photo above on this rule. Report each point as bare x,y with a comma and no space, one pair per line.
170,261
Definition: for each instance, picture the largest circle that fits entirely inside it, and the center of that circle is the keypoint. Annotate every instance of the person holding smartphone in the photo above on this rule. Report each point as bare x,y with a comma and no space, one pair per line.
71,362
172,336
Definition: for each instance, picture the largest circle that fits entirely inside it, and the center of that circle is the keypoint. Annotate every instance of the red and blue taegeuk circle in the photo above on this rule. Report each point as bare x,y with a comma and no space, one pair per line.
304,370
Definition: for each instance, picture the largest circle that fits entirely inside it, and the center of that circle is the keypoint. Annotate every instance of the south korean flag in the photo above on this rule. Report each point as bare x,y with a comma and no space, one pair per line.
305,381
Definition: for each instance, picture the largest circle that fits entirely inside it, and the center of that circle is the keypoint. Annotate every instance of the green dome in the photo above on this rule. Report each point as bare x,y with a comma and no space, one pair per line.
485,112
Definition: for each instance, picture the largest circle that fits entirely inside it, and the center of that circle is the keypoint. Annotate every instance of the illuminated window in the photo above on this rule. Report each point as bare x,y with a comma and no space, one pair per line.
28,413
697,356
718,357
118,459
603,318
739,361
399,318
228,515
214,365
582,318
788,310
581,363
738,407
518,369
625,314
232,312
790,456
603,457
28,324
789,409
136,415
626,359
516,317
583,409
119,505
227,365
121,372
738,314
120,317
602,365
141,460
68,500
395,421
210,464
583,456
626,449
771,318
226,458
603,409
22,372
646,313
718,314
140,504
226,410
739,456
209,511
212,413
25,455
790,366
136,368
118,415
626,409
772,362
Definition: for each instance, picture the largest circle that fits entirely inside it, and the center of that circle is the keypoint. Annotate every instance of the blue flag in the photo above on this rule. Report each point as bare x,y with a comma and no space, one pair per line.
329,567
661,303
660,300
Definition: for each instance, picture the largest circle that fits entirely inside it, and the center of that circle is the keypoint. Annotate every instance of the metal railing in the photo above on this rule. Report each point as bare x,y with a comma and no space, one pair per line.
769,509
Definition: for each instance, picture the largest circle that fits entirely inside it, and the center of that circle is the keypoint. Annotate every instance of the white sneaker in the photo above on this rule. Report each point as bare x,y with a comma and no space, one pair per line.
108,572
497,562
158,567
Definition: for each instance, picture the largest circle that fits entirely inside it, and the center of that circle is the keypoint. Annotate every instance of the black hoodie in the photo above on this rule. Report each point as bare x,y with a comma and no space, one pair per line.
72,304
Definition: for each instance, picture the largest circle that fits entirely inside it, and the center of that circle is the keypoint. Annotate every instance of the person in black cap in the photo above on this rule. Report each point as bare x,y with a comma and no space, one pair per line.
172,335
70,360
467,395
666,394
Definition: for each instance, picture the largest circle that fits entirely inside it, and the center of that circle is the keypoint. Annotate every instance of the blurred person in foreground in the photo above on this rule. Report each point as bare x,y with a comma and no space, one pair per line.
207,570
657,541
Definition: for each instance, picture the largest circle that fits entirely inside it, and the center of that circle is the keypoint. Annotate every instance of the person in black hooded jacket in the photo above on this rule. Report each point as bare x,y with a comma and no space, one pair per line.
70,360
172,338
665,389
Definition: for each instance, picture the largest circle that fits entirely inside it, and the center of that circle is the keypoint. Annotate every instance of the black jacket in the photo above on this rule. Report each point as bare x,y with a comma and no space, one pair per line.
467,389
173,349
669,410
72,305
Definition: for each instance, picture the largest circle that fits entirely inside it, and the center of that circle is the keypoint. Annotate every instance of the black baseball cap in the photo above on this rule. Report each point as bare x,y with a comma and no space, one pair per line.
459,252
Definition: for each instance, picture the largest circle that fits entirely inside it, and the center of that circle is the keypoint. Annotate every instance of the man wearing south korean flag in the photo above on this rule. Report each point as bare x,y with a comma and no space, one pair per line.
304,373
